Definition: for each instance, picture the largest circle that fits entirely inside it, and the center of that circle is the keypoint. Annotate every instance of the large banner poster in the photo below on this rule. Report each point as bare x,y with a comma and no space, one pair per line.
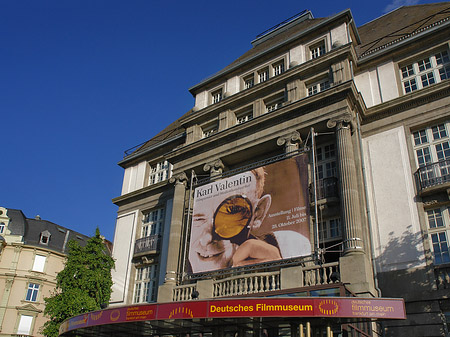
252,217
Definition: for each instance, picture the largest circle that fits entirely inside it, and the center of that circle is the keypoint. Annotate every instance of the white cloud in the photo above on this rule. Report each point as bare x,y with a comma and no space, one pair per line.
399,3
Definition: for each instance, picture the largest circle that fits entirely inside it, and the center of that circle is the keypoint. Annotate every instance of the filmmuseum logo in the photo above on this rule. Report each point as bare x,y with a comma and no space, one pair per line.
181,312
328,307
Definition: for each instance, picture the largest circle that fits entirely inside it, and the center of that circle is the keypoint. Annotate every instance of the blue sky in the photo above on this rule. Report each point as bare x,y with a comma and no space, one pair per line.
83,80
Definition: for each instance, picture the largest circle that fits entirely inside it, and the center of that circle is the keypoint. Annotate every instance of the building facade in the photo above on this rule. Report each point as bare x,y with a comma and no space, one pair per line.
33,251
367,113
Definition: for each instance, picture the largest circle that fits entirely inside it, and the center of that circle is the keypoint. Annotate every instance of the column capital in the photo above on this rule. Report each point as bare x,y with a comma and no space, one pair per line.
214,168
180,178
290,141
342,121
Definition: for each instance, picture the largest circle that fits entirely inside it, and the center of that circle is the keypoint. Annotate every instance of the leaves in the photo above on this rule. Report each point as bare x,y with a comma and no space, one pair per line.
82,286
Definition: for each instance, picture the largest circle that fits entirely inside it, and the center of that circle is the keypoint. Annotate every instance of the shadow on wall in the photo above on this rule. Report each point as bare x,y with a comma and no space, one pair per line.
403,273
402,269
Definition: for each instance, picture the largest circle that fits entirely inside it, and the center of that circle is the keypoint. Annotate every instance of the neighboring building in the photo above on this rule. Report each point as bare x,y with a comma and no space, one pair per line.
372,103
33,252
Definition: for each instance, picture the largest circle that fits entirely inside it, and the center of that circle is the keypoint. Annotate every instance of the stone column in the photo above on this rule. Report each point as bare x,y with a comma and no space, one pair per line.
350,206
214,168
291,142
173,251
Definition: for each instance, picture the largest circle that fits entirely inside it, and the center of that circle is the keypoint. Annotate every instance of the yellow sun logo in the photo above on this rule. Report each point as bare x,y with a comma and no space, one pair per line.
328,307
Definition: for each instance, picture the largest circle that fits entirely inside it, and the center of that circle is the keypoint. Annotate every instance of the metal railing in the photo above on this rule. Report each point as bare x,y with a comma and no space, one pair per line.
147,244
433,174
326,188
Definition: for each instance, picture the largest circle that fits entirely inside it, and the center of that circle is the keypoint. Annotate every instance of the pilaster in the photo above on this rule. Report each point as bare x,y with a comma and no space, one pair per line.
349,196
176,222
227,119
193,133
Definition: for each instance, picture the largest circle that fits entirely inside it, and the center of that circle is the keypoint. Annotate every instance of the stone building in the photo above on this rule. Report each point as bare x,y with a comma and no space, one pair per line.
363,116
32,253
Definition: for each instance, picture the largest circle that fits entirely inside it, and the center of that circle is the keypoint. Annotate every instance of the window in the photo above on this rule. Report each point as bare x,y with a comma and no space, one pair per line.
39,263
263,75
326,161
32,292
272,107
44,237
216,96
2,227
317,50
275,102
244,118
330,229
159,172
278,68
152,223
145,284
425,72
209,131
318,87
432,149
249,82
326,172
25,323
439,230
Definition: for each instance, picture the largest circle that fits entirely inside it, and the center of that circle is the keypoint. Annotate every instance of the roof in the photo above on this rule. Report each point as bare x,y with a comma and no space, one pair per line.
391,28
274,41
31,230
400,24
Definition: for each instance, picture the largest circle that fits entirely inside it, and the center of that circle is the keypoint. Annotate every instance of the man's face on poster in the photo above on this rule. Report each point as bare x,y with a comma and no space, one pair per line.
218,217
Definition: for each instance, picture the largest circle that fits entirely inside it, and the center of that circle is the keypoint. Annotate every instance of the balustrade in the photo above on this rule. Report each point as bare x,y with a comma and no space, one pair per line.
316,275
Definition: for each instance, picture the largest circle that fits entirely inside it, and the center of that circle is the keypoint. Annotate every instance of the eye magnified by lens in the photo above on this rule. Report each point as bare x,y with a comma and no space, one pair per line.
232,215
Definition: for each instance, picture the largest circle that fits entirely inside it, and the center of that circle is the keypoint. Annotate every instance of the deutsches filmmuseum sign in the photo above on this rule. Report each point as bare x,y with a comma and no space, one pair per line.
332,307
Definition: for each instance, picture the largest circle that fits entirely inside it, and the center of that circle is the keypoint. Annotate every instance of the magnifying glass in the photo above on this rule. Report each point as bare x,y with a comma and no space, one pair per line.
232,218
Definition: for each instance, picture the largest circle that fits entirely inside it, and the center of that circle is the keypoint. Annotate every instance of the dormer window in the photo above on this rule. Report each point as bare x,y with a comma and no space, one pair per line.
249,82
278,68
216,96
2,227
263,75
317,49
44,237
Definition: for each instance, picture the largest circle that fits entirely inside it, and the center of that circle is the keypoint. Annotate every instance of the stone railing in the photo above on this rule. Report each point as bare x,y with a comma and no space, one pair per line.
183,292
442,277
316,275
245,284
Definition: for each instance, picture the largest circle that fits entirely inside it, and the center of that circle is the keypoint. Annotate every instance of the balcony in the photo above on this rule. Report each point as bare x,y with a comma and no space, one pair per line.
262,283
147,245
433,177
326,188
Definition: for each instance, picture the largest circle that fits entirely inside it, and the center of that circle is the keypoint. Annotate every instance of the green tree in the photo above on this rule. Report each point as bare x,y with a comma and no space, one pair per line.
82,286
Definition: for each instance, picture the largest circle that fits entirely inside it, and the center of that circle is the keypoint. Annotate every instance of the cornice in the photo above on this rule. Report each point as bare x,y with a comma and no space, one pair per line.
407,102
344,91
